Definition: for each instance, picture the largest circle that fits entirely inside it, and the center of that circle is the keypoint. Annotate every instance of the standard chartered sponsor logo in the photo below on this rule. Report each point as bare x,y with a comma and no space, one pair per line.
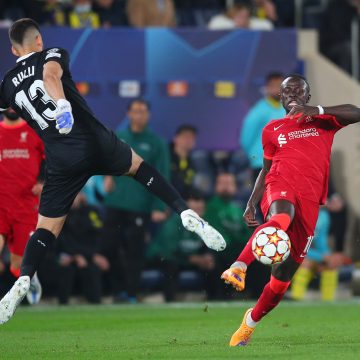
282,140
15,154
303,133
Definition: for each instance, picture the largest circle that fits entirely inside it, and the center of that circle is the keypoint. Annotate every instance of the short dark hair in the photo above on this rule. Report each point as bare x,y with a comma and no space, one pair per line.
274,76
186,127
140,101
19,28
299,77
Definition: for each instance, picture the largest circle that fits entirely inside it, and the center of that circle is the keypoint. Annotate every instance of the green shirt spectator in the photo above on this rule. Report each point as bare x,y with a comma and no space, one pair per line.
174,243
227,216
178,250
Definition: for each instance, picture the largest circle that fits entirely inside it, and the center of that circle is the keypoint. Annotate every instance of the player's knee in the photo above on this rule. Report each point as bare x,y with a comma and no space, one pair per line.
282,207
278,286
53,225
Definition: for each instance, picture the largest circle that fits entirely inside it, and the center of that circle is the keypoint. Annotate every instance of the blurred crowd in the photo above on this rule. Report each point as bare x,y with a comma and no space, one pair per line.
224,14
332,18
121,242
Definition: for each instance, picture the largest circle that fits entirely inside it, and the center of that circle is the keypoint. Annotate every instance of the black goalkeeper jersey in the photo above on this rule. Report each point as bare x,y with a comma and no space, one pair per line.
23,89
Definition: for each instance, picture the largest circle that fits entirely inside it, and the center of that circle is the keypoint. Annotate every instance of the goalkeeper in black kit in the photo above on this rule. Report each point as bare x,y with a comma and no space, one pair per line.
77,146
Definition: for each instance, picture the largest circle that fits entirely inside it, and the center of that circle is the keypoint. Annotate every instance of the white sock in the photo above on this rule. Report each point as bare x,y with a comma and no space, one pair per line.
249,321
239,264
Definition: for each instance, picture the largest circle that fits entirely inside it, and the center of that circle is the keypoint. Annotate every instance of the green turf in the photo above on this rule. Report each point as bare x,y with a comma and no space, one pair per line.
293,331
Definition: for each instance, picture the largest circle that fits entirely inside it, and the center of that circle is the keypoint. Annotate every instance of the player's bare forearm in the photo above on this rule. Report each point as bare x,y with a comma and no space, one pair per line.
52,80
256,195
345,114
259,186
258,190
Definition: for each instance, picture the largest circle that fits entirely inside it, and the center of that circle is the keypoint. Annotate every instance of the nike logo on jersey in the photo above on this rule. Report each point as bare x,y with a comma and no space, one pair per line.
278,127
150,181
40,242
282,140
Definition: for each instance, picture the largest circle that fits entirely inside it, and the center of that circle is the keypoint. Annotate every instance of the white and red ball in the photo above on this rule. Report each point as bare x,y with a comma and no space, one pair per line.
271,246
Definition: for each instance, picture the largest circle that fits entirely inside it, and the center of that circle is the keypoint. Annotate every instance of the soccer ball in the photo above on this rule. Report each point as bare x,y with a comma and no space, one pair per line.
271,246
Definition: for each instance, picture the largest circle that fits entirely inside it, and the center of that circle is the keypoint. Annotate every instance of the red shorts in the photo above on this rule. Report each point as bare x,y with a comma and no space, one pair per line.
17,229
301,230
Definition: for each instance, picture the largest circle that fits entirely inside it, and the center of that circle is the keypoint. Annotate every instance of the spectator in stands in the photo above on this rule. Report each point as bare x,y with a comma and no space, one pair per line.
319,259
182,171
265,9
130,207
335,31
47,12
180,250
259,115
81,15
77,253
238,16
145,13
111,12
266,109
226,214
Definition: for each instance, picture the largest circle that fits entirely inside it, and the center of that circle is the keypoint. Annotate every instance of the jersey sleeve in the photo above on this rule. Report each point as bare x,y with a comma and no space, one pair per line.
59,55
331,122
268,147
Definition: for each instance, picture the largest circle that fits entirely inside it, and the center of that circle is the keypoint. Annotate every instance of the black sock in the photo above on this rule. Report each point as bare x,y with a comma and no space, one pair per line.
36,249
157,185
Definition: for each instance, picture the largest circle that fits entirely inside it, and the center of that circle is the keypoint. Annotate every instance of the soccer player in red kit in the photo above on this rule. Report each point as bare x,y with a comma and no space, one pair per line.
291,186
21,156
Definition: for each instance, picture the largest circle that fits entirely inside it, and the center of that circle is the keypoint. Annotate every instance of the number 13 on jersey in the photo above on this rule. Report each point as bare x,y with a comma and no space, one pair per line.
25,102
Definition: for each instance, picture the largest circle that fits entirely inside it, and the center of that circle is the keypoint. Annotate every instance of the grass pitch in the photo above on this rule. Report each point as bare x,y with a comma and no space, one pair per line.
195,331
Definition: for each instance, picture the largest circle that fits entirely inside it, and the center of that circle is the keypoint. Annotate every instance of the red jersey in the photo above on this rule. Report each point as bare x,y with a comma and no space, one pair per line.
300,154
21,154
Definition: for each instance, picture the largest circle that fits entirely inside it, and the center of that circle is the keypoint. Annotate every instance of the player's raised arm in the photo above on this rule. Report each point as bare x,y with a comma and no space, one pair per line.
256,195
52,74
345,114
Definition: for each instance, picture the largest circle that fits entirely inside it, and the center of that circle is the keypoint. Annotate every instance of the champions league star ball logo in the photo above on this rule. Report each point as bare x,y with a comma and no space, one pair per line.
271,246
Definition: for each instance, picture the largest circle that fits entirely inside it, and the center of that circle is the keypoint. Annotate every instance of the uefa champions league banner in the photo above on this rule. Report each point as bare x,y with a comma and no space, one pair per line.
206,78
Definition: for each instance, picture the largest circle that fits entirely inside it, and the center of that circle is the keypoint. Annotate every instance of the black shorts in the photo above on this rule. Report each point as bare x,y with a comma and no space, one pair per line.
61,188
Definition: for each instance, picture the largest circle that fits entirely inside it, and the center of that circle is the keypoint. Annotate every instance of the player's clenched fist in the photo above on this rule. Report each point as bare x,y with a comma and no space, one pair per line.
64,117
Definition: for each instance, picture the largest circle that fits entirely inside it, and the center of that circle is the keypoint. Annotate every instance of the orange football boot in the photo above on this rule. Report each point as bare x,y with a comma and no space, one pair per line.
235,277
243,334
